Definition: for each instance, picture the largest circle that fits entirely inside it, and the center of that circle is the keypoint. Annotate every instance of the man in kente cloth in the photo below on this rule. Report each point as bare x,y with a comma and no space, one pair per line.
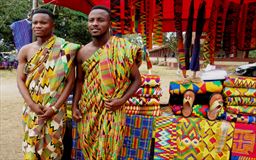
45,77
107,76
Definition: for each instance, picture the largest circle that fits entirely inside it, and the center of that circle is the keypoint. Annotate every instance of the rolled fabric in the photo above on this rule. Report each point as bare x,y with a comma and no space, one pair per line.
150,80
142,101
233,101
177,87
235,92
243,110
145,113
142,108
240,118
148,92
240,82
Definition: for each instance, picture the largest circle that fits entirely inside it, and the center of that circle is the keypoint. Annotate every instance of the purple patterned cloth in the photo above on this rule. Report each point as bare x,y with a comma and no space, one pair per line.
22,33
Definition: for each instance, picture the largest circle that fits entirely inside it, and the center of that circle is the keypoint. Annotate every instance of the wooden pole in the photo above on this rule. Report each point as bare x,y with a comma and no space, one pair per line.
34,6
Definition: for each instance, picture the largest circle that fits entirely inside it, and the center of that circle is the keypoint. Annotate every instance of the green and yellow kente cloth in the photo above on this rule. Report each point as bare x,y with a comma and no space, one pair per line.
107,74
47,72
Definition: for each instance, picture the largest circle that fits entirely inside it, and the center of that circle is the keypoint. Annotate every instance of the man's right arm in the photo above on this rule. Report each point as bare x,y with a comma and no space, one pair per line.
78,87
21,78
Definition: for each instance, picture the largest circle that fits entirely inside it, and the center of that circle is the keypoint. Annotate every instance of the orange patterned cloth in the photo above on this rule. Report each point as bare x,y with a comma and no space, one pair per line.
244,142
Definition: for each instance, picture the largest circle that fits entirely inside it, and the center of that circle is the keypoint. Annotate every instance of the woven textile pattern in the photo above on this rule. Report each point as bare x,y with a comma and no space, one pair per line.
165,137
244,142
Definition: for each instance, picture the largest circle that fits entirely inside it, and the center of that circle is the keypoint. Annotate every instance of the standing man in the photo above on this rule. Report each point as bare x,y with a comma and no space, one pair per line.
45,77
107,75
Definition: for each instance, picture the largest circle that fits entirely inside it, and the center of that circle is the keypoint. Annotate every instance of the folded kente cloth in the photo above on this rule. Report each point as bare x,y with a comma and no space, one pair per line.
150,80
239,118
138,136
143,112
240,82
176,109
243,110
142,108
76,152
176,87
142,101
234,92
199,138
244,142
165,137
148,92
234,101
198,111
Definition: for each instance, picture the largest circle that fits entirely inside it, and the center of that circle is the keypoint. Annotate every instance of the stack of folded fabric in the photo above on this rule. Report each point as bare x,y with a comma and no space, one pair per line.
192,138
138,137
146,101
203,91
179,87
240,93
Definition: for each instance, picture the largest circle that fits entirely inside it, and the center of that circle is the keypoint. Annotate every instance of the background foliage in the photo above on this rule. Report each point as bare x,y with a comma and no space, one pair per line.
70,24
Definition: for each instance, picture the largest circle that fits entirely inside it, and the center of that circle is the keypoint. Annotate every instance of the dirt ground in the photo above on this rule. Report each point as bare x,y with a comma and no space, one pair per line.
11,108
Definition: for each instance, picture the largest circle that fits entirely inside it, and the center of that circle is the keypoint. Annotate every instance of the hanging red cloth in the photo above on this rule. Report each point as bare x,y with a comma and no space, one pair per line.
79,5
247,27
168,15
230,32
158,24
178,27
209,43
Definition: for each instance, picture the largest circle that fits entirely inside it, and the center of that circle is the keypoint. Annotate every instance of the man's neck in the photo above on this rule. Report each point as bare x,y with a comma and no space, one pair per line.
100,41
41,40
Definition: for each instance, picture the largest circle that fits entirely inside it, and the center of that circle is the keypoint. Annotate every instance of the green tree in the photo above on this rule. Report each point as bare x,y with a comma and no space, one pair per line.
71,25
11,11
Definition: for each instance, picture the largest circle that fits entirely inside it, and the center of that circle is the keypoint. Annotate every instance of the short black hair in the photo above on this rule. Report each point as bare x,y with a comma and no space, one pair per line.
103,8
42,10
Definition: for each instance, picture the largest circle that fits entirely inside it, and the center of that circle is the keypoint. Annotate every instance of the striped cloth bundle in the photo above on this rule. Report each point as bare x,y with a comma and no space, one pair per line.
179,87
240,98
146,100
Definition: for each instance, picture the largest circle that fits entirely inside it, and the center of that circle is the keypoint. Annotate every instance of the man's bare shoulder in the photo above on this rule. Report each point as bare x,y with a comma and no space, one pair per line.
27,50
86,47
85,51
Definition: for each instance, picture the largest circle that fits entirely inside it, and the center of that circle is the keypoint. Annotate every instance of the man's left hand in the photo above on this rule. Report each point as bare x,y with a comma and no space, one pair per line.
114,104
48,113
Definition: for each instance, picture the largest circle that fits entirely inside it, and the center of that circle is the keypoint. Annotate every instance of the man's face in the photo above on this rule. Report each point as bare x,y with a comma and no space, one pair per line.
42,25
98,22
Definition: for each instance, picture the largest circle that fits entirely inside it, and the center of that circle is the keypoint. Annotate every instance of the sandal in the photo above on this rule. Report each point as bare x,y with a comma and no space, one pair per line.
188,100
216,104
